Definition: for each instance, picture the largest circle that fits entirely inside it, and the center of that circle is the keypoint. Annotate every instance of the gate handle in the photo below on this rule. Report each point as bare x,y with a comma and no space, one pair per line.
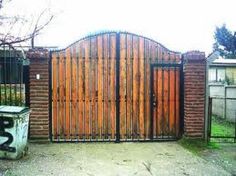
154,101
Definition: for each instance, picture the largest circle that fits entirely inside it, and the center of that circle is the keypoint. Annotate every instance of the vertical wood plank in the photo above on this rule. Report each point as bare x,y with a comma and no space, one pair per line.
73,93
129,86
160,112
122,86
105,85
93,85
100,85
80,91
148,89
54,94
87,88
135,86
113,86
61,94
68,89
171,99
141,87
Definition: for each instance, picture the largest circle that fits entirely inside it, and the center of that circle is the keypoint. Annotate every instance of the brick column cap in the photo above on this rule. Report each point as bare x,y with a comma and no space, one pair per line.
194,56
38,53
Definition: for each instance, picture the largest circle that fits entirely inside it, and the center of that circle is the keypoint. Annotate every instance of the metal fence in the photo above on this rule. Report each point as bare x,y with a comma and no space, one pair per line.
13,77
222,124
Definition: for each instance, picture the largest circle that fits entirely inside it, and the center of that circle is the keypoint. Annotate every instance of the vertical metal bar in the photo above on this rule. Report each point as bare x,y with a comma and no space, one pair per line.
21,79
117,87
168,107
58,96
1,69
151,102
126,98
83,57
26,82
157,118
97,132
1,74
16,77
109,86
182,96
138,116
5,76
70,108
235,126
162,96
89,89
175,101
64,98
76,54
10,76
144,82
209,119
50,94
131,93
103,97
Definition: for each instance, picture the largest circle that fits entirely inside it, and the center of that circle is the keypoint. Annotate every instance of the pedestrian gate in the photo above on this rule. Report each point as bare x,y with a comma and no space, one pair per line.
115,87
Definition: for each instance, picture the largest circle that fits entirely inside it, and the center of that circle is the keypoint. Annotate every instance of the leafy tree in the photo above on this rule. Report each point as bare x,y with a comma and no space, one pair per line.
225,42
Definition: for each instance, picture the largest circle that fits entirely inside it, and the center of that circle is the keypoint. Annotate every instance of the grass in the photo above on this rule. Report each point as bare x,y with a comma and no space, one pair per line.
221,127
196,146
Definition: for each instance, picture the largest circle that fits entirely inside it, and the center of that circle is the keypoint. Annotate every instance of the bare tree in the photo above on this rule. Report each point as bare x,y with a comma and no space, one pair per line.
10,24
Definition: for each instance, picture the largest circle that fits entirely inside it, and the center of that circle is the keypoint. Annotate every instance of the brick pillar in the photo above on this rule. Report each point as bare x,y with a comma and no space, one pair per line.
194,94
39,93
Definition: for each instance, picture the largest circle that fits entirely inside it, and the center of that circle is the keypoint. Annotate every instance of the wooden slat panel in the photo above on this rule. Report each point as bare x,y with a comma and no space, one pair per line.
74,98
171,99
122,86
141,87
54,94
68,89
147,89
129,86
113,86
159,97
135,86
100,85
93,86
166,113
80,91
105,86
61,95
87,89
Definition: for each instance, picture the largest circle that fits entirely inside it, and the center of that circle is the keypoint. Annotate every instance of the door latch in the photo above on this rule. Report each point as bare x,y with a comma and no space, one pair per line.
154,101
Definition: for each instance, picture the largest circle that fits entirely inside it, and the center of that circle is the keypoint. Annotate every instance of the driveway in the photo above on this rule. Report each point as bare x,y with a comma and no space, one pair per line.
164,158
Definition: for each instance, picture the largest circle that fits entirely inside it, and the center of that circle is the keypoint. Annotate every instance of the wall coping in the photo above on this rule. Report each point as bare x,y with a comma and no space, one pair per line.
38,53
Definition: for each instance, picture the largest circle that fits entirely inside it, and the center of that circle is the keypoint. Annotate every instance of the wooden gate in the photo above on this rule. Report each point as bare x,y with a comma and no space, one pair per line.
102,89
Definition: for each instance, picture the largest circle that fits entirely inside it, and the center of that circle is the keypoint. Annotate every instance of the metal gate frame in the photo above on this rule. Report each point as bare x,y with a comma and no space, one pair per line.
117,135
181,100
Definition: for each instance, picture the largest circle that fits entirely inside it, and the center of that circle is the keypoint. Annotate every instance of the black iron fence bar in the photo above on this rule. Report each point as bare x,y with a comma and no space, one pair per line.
210,120
228,98
11,77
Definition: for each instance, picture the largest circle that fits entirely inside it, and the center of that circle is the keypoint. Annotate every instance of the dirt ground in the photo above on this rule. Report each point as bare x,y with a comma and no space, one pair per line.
167,158
225,156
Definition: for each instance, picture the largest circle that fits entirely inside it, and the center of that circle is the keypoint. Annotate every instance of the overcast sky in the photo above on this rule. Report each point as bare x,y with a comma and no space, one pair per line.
180,25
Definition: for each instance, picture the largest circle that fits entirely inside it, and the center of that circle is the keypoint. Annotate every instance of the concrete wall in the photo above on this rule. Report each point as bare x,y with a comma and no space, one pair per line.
224,101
